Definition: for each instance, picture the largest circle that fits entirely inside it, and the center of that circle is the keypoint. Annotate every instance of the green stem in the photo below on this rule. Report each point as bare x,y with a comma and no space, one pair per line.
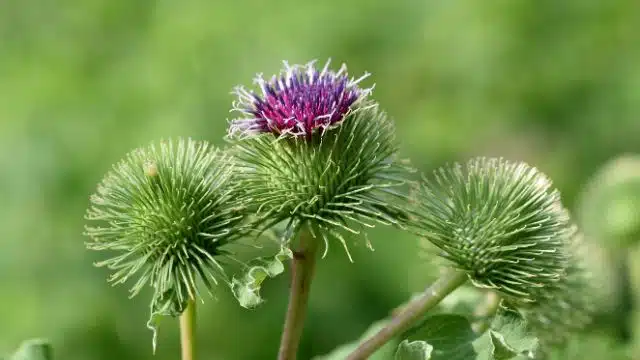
485,313
411,313
187,330
302,270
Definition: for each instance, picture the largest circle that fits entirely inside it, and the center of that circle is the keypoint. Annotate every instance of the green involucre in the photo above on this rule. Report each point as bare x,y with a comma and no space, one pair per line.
340,180
165,213
499,221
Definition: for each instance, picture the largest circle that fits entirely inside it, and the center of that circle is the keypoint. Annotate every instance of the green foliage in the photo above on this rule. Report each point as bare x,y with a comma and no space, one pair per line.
450,336
247,288
447,336
342,181
500,349
414,350
507,339
500,221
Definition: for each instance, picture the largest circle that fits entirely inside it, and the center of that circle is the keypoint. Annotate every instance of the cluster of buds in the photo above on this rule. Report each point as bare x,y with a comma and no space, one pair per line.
312,151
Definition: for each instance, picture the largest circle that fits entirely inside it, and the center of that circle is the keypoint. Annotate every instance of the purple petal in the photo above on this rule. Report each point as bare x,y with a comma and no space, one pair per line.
299,101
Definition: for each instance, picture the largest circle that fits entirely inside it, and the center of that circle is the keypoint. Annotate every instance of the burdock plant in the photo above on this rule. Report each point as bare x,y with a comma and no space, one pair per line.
313,159
316,154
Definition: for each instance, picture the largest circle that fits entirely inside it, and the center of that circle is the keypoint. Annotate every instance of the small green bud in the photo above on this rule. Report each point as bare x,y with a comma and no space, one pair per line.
501,222
166,214
610,204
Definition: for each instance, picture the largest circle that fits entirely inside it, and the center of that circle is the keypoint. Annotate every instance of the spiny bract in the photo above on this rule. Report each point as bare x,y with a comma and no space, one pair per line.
166,213
563,308
339,178
341,181
566,306
499,221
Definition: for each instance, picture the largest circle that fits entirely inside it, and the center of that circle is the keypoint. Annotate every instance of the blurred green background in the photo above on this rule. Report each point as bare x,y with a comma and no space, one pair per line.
554,83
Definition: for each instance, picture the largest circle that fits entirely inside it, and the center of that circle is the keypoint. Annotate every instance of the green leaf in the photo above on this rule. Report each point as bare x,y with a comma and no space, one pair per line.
414,350
247,289
501,350
450,336
163,304
35,349
506,340
386,352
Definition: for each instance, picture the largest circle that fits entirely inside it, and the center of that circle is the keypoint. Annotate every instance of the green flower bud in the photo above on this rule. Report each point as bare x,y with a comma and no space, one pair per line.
339,179
166,214
610,204
499,221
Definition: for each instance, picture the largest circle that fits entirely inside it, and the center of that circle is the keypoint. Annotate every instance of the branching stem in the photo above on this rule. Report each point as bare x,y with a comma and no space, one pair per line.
302,270
411,313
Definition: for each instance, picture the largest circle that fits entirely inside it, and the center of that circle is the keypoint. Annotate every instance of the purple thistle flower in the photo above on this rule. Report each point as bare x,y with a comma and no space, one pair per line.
298,102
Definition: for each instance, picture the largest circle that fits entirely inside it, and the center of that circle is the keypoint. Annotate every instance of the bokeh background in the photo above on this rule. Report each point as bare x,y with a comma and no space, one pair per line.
554,83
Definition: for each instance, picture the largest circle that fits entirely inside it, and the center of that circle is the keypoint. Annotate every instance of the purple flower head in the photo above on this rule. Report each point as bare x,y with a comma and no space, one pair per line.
298,102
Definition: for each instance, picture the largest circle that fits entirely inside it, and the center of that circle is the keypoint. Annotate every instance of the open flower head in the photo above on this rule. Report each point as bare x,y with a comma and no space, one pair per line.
501,222
166,214
317,152
300,101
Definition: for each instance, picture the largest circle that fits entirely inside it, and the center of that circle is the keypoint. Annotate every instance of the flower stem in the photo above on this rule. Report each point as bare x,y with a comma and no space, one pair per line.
302,270
485,313
411,313
187,330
